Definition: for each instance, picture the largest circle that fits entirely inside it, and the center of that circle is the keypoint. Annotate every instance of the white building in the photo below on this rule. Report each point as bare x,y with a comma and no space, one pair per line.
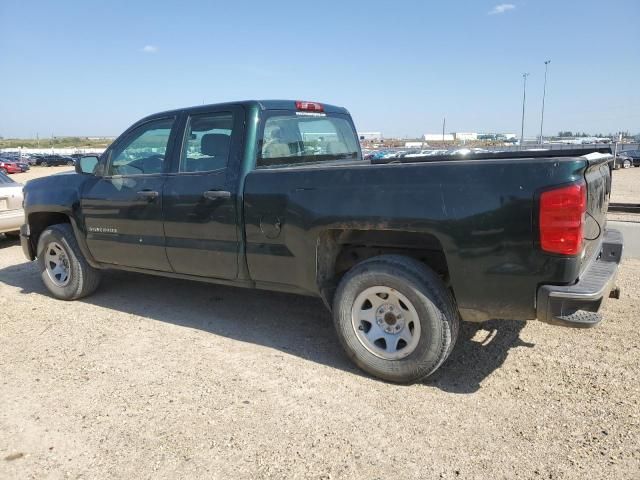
438,137
370,135
466,136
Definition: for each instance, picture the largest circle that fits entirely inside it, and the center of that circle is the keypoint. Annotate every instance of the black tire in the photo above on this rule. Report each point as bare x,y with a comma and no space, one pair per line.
70,163
83,278
44,164
432,300
12,235
627,164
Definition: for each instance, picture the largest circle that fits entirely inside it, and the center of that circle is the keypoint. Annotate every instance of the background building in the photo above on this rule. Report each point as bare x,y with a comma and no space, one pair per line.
438,137
465,136
370,135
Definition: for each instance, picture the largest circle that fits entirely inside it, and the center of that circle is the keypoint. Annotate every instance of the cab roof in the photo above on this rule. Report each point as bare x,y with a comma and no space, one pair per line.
261,104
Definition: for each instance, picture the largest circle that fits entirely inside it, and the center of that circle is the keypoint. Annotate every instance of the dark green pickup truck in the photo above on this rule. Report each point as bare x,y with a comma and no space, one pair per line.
276,195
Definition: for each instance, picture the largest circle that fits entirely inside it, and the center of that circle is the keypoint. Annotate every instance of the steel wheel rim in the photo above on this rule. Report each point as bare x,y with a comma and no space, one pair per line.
385,322
57,264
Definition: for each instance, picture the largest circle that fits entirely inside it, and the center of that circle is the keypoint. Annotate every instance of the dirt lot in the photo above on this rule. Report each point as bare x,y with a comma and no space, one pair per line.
37,172
626,186
153,377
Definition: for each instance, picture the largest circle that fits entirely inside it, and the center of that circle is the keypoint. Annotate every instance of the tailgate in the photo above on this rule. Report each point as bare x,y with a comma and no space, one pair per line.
598,179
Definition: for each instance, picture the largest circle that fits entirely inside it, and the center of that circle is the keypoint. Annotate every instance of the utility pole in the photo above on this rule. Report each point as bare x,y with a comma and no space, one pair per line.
524,99
444,122
544,94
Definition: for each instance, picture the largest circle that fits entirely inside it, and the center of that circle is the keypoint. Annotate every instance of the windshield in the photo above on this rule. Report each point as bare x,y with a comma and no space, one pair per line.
5,180
295,138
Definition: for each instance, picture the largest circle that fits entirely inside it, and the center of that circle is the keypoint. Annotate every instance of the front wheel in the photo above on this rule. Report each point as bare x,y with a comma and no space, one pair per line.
395,318
626,164
63,268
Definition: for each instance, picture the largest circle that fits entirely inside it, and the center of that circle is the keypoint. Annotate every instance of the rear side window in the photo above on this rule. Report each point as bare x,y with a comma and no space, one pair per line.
207,142
290,139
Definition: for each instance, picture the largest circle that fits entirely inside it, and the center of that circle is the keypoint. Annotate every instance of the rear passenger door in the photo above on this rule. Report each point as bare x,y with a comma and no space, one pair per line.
200,195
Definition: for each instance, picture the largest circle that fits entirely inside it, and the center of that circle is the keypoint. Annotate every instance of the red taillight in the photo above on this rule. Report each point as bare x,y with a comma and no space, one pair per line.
309,106
562,215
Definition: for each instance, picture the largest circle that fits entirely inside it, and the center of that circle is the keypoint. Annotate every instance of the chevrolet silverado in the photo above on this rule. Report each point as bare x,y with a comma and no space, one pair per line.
276,195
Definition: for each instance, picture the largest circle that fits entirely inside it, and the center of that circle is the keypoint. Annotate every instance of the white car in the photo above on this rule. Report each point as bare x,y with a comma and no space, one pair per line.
427,153
11,212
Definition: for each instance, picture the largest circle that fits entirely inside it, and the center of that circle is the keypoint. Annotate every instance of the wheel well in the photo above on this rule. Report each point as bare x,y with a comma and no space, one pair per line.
340,250
39,221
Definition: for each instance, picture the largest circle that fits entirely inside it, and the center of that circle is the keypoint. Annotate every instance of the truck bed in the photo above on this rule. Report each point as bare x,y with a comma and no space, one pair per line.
478,212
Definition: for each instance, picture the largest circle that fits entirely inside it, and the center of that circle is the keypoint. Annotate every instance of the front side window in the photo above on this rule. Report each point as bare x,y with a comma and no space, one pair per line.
207,142
143,152
292,139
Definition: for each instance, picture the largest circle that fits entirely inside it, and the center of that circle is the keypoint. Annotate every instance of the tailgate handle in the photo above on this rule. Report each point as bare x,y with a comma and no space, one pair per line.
216,194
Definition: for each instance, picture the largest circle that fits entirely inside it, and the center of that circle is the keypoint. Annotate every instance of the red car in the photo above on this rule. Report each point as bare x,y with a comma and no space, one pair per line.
7,166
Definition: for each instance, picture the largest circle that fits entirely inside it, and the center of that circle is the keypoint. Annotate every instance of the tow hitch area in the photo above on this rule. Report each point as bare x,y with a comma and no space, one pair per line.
579,305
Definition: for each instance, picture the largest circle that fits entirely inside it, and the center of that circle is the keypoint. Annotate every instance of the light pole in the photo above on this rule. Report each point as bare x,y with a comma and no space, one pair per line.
544,94
524,99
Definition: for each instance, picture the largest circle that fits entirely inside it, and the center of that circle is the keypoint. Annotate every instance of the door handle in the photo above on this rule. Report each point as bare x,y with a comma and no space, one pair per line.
149,195
216,194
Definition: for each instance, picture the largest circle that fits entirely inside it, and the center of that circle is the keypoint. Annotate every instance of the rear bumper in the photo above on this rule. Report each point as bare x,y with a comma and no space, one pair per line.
25,242
578,305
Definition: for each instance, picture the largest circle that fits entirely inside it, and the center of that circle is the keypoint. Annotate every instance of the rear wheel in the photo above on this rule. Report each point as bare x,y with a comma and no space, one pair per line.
626,164
44,164
70,163
3,170
395,318
64,270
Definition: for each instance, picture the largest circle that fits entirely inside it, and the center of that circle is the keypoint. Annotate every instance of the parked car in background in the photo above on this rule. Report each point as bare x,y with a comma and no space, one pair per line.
426,153
11,212
628,159
29,159
54,160
12,166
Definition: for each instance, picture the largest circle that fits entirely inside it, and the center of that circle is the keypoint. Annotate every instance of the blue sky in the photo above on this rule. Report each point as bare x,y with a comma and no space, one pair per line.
93,68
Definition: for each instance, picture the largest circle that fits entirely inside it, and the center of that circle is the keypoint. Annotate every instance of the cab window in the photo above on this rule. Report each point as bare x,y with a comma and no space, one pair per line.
207,142
293,138
143,151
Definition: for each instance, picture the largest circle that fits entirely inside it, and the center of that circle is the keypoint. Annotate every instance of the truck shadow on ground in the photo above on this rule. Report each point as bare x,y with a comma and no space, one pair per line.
294,324
6,242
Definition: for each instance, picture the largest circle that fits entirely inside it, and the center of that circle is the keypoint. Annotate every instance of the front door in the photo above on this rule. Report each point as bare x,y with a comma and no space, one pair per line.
123,209
200,216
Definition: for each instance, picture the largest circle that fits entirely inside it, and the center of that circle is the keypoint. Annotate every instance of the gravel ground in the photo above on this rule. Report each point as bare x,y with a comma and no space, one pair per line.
153,377
36,172
625,186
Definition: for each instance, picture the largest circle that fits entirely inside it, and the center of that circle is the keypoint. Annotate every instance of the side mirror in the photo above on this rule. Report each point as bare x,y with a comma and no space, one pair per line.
86,165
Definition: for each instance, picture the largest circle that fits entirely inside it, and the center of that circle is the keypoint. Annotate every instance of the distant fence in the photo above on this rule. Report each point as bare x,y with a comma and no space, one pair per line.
52,151
566,146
